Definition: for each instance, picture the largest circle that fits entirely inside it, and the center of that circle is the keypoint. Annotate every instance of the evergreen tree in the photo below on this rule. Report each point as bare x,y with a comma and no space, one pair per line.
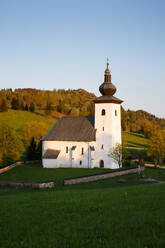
32,150
26,107
39,150
32,107
15,104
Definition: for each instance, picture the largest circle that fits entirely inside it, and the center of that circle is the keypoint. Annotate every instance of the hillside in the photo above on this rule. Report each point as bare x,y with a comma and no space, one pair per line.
17,119
32,112
55,103
134,140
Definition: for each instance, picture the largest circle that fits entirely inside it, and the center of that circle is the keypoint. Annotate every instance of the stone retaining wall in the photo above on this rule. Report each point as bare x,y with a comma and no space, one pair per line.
39,185
153,166
7,168
99,176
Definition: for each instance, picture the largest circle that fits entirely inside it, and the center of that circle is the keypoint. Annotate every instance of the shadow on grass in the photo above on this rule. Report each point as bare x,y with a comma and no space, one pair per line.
45,116
138,145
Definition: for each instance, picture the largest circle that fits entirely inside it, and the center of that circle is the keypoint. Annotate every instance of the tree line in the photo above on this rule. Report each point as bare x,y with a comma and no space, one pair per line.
67,102
74,102
27,146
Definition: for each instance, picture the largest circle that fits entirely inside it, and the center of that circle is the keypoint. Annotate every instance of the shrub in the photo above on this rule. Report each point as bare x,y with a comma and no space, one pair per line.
127,163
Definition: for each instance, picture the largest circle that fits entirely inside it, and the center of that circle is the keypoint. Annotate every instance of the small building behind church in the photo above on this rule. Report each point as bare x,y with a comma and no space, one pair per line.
85,142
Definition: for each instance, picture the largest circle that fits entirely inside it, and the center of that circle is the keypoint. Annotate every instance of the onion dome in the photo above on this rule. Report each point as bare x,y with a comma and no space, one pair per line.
107,88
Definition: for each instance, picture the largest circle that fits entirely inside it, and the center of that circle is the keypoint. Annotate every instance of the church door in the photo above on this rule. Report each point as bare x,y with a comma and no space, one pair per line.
101,163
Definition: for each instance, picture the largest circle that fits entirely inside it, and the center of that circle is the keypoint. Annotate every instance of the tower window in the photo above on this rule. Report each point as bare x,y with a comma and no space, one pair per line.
102,147
66,149
115,112
103,128
82,151
103,112
80,162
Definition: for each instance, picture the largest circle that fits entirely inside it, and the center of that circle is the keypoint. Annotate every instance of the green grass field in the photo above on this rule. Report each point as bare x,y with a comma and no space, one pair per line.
35,172
135,140
95,215
16,119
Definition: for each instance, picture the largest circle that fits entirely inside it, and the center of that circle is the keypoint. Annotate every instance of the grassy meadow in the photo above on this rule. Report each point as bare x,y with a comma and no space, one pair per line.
16,119
36,173
99,214
135,140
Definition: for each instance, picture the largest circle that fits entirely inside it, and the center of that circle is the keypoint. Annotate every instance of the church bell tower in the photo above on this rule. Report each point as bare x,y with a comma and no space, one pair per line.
107,122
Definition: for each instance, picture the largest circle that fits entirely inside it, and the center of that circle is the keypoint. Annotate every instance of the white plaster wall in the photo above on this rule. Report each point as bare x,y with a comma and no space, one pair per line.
70,159
49,163
109,136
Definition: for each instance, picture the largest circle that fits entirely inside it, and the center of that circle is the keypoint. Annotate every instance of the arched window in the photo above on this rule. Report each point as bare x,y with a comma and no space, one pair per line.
103,112
82,151
102,147
80,162
101,163
115,112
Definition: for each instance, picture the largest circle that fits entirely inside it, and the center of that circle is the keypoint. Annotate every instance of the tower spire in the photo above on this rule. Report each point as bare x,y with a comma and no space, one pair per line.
107,88
107,74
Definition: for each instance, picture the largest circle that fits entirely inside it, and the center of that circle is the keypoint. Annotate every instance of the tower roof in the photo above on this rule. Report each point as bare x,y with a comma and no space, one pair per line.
107,89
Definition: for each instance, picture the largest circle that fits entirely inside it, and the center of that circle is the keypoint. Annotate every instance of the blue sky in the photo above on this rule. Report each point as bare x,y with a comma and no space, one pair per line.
49,44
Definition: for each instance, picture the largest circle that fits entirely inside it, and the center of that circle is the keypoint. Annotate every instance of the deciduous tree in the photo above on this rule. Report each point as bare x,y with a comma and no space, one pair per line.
48,109
11,146
156,147
34,129
116,154
119,153
4,107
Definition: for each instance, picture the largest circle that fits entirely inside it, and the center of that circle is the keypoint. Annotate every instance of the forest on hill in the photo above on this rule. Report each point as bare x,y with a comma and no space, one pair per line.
73,102
27,114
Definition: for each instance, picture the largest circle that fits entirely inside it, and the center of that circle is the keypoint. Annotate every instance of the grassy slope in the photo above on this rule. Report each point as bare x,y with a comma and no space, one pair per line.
97,214
135,140
35,172
17,119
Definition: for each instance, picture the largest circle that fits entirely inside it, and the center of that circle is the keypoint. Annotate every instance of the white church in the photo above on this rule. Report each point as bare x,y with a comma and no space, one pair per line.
85,142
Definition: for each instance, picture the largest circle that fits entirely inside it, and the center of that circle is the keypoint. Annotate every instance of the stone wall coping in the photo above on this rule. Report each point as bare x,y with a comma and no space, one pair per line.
49,184
96,177
102,173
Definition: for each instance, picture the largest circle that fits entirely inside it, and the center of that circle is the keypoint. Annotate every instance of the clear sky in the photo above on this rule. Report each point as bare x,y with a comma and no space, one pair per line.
49,44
